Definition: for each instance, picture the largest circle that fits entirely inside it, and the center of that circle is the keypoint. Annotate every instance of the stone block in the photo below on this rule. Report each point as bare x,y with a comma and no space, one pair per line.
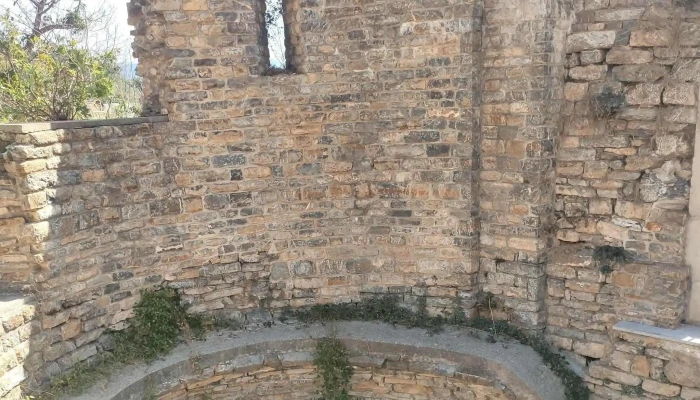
645,94
651,38
575,91
588,73
686,71
682,370
578,154
577,42
166,5
690,394
659,388
590,349
611,230
592,57
626,55
602,372
678,146
600,207
679,94
689,34
639,73
619,14
194,5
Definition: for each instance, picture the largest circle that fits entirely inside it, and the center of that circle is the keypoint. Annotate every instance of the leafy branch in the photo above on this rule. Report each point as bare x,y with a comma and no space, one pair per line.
53,81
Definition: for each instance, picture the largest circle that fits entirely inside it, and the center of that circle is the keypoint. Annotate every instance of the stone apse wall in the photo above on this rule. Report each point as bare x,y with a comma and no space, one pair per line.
425,148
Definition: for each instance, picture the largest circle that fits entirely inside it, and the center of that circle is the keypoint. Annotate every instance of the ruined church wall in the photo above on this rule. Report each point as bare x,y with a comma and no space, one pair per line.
353,175
427,148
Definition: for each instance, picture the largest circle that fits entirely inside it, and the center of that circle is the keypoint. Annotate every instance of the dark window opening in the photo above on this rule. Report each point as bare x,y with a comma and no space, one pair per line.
277,35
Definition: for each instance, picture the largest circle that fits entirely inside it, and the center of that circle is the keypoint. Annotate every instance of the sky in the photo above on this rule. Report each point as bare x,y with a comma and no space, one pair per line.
123,29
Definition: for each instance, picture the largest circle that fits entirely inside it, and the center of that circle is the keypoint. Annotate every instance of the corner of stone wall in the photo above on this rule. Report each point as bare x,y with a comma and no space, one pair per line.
523,78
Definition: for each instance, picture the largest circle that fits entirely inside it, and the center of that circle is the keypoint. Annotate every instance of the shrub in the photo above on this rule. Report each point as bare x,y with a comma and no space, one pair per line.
50,81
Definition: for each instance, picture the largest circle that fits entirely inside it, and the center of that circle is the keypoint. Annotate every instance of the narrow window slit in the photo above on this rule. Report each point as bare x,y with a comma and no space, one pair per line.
277,38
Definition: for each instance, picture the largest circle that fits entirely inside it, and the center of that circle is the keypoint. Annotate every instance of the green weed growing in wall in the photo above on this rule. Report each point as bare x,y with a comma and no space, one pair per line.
159,323
334,369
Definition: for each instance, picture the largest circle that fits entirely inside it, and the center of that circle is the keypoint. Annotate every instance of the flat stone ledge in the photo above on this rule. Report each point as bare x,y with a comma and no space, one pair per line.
685,334
518,366
30,127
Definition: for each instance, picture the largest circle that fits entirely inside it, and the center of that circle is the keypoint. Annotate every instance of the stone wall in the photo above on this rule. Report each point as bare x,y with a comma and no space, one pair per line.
353,176
97,207
623,168
285,370
584,305
625,155
19,323
623,174
522,95
431,148
14,273
299,382
640,366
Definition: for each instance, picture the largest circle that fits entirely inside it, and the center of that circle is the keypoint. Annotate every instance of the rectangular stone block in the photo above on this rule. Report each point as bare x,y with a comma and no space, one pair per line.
580,41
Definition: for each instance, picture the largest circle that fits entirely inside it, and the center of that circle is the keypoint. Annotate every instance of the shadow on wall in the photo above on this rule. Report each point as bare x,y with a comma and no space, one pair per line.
89,213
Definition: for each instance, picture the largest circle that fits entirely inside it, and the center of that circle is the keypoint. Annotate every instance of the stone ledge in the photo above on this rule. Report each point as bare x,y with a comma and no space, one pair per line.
30,127
518,366
685,334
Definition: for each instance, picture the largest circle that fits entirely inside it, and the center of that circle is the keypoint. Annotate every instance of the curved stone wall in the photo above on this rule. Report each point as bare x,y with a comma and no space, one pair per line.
430,149
354,175
297,382
389,363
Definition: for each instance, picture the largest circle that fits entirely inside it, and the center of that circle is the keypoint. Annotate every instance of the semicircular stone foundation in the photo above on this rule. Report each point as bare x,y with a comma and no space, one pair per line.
390,363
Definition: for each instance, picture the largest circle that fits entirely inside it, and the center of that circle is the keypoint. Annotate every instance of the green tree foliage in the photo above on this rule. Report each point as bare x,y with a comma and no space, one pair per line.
50,80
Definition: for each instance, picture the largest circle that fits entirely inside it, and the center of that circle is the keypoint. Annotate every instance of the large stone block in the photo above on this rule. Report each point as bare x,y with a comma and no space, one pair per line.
626,55
639,73
588,73
577,42
686,71
682,370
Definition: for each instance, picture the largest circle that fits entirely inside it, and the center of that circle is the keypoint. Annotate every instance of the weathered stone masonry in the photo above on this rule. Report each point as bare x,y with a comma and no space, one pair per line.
354,175
430,148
